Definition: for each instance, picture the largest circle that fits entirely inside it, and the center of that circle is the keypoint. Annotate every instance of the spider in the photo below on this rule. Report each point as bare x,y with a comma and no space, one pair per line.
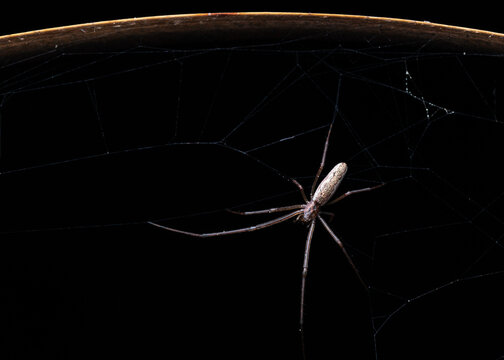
307,213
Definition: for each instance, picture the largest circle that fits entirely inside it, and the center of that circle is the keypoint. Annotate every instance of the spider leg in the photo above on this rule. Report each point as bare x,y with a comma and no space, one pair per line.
338,241
267,211
330,214
234,231
322,162
301,189
348,193
305,272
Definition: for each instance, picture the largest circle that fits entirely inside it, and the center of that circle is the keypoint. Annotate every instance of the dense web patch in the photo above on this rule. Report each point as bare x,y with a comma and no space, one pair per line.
96,143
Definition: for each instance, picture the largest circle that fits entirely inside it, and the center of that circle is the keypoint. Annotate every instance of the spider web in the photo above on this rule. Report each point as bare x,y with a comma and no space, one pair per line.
96,143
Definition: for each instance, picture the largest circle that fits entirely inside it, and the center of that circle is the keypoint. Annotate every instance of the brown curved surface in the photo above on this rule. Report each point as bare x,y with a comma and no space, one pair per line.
233,27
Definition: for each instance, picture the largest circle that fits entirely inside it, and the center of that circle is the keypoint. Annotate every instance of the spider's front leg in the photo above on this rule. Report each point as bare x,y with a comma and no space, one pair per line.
267,211
234,231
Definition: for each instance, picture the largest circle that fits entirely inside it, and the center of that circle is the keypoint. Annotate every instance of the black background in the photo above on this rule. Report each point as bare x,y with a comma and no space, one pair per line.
119,291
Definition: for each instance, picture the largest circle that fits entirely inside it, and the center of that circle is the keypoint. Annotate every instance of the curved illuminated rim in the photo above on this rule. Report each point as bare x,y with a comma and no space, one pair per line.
252,22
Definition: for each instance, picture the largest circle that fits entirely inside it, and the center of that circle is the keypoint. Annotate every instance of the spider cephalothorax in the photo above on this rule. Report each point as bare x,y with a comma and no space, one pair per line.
310,212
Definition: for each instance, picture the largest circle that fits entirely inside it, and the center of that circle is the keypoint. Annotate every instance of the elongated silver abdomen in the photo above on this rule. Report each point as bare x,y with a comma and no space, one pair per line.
328,186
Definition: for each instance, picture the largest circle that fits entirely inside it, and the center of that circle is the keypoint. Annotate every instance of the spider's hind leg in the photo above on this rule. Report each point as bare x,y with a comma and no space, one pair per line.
330,214
305,273
342,247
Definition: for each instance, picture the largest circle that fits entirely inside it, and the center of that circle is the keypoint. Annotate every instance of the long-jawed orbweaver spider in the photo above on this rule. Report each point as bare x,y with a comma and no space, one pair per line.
307,213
